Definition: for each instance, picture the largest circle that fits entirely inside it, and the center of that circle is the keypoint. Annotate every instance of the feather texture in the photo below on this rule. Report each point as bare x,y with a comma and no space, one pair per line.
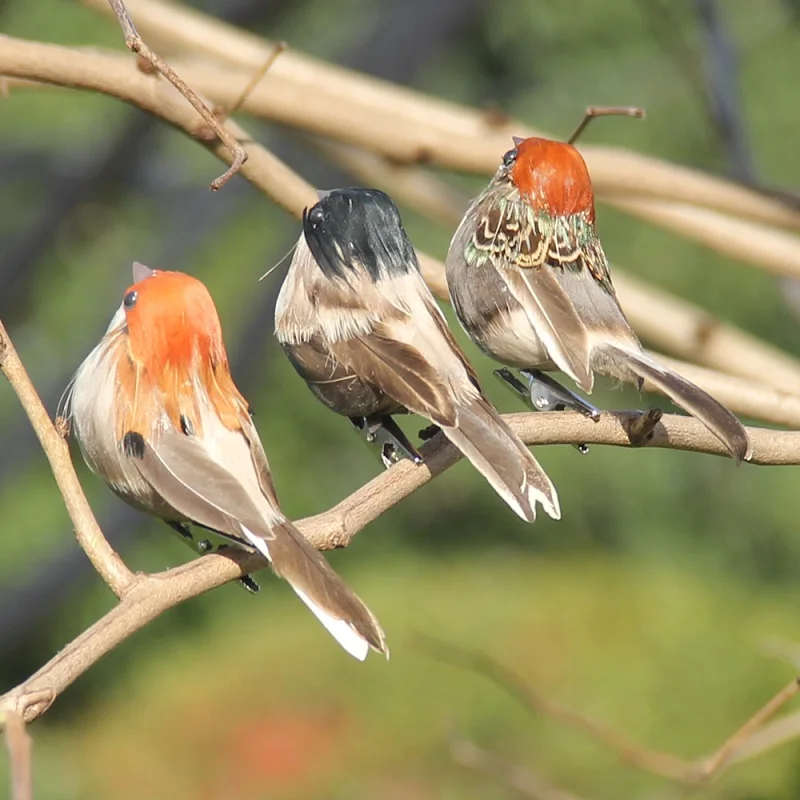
377,329
530,283
721,422
159,418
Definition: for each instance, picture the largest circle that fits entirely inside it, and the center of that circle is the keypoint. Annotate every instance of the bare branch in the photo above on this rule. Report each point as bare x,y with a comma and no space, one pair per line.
667,321
18,744
513,776
690,332
778,732
749,397
593,112
409,126
144,597
137,45
627,750
675,325
117,77
223,113
103,557
709,767
150,595
753,243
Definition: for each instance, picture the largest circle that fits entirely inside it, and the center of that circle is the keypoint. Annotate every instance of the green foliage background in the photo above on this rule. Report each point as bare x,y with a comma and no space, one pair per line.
647,605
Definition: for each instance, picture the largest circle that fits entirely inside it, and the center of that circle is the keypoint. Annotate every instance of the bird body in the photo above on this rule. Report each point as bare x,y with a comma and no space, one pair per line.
530,283
159,418
361,327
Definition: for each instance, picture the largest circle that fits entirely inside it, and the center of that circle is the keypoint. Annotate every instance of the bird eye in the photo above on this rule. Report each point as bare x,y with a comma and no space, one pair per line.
509,158
130,300
316,216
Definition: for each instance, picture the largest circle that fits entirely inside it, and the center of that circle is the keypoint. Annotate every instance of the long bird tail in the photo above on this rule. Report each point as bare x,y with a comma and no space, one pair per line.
330,599
498,454
718,419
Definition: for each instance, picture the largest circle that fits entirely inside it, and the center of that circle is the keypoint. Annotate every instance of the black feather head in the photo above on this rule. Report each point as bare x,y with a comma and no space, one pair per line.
349,228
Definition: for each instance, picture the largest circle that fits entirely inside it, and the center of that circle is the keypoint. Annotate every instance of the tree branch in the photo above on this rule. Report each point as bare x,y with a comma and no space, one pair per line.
18,744
626,749
147,596
408,126
103,557
137,45
671,323
513,776
667,321
144,597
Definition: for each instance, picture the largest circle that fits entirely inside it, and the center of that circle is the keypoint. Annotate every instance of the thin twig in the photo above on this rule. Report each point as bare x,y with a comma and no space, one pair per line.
135,43
513,776
709,767
626,749
18,744
593,112
222,112
664,764
780,731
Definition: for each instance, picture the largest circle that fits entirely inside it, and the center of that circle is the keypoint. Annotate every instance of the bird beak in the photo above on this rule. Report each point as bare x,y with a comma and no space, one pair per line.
141,272
323,193
518,140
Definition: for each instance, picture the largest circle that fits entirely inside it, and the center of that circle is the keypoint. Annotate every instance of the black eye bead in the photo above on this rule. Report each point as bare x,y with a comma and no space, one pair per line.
316,216
130,300
509,158
186,426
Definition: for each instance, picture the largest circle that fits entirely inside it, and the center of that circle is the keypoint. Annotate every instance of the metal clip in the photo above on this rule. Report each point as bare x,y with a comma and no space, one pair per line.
381,432
543,393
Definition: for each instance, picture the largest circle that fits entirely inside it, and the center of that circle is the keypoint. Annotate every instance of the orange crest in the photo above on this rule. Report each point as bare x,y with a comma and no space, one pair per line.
553,177
176,348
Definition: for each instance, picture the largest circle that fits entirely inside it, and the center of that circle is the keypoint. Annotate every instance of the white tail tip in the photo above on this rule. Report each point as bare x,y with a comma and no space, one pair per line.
353,642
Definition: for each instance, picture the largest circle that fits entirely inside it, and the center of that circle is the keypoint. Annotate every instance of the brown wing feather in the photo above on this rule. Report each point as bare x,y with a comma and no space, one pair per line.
444,329
297,562
555,319
400,371
178,466
260,462
180,463
530,255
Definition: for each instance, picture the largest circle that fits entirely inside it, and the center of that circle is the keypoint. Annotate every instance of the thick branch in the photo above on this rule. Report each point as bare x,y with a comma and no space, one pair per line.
143,598
118,77
751,397
407,126
753,243
669,322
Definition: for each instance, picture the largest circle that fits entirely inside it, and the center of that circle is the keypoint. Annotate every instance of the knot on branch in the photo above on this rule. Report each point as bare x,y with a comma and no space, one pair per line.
640,426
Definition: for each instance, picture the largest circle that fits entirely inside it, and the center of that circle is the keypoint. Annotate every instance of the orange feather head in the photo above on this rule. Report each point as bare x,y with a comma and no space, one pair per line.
177,352
552,176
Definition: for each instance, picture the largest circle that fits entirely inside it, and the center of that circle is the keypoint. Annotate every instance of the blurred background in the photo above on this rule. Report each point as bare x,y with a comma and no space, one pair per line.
649,605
